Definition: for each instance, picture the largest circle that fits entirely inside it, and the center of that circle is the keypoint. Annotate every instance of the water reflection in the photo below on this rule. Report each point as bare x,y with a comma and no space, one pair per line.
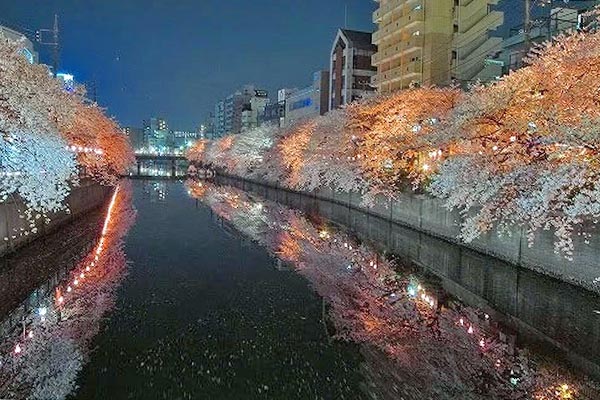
434,346
42,355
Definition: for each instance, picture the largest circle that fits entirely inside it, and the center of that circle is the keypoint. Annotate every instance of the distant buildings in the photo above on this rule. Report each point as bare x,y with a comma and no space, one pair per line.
253,109
308,102
432,42
67,80
207,129
28,49
274,113
238,110
156,132
135,136
181,140
350,67
571,16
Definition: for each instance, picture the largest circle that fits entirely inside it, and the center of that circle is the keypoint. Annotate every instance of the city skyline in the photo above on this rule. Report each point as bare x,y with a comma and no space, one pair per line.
129,79
134,59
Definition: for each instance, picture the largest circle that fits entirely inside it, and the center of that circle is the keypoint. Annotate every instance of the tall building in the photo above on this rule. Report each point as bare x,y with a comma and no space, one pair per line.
28,50
219,120
206,130
309,102
350,67
156,134
432,42
253,109
228,112
135,136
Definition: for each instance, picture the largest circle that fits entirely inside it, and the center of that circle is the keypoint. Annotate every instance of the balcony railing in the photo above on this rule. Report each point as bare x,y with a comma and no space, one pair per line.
406,22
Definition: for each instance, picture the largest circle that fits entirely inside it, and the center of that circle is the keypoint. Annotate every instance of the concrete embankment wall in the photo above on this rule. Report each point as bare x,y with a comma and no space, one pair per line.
545,308
428,215
15,230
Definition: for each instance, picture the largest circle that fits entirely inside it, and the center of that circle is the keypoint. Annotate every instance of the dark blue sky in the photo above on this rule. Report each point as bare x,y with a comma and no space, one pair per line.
175,58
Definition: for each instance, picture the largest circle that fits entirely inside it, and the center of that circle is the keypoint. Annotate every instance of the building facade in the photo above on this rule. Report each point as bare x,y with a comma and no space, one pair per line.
309,102
350,67
228,113
274,113
253,109
28,49
156,134
572,16
219,119
181,140
135,136
432,42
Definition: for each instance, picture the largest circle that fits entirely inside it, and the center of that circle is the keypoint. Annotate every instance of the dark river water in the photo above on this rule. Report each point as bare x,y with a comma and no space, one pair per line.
199,291
205,313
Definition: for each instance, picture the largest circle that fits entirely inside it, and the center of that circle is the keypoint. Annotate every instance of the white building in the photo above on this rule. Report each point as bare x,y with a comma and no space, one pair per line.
28,49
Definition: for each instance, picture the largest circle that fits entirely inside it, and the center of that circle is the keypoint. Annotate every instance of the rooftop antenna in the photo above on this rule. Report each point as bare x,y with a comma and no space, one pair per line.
346,16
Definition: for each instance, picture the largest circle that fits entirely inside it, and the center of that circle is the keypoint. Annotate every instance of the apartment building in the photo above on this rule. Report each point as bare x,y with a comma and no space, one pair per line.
433,42
350,67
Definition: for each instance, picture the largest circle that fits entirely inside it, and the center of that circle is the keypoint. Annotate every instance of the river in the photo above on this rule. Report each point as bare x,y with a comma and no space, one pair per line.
199,291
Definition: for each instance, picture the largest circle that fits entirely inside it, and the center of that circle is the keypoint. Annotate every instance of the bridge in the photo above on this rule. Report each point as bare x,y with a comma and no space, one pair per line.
172,158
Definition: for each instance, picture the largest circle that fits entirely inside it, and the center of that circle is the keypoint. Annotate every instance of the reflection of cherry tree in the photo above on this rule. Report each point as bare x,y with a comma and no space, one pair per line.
44,363
440,349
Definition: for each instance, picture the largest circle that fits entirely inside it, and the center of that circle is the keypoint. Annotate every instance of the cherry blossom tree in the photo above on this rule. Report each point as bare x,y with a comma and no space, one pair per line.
527,146
393,132
42,127
34,163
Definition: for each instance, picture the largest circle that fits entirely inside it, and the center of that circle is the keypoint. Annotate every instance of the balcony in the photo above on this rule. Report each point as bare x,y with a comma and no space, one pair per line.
396,26
410,71
469,65
397,49
488,23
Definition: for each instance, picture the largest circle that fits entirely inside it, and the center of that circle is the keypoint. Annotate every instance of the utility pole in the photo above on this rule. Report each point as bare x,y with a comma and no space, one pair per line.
56,50
41,37
527,24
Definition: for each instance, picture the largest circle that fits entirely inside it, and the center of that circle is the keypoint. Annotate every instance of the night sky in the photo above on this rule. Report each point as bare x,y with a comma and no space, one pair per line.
176,58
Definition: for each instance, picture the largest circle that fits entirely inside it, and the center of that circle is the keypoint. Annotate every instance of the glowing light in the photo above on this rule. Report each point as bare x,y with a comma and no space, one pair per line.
76,282
426,167
482,343
69,289
30,335
461,322
324,234
42,311
470,330
18,349
61,300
